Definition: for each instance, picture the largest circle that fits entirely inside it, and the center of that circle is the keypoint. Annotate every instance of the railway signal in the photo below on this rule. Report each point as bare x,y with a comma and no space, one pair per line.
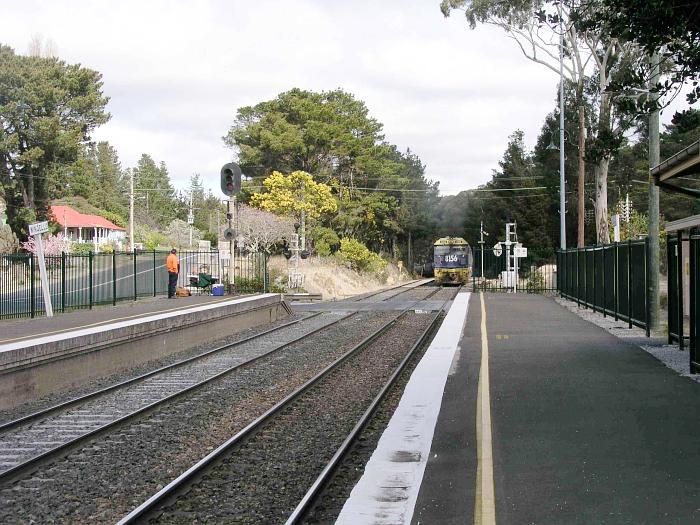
231,179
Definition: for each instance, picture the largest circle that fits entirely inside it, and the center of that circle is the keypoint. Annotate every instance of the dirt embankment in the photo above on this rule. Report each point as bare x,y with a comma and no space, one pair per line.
334,280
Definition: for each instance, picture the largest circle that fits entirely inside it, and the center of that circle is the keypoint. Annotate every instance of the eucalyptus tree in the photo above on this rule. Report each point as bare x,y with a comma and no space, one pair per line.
666,26
536,26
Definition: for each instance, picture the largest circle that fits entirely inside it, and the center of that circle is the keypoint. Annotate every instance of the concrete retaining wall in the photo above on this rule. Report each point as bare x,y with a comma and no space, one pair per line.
34,368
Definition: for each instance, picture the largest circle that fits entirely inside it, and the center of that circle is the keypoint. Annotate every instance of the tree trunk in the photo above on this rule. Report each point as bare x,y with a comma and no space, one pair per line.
601,172
601,201
581,174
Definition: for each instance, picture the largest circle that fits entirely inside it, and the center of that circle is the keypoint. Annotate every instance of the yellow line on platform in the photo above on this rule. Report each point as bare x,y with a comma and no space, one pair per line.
485,499
108,321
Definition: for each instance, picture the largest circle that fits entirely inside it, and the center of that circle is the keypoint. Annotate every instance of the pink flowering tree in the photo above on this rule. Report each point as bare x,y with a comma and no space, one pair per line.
262,229
54,245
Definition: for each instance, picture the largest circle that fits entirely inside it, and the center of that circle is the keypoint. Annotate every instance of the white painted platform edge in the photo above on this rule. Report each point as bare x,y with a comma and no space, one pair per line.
121,324
387,491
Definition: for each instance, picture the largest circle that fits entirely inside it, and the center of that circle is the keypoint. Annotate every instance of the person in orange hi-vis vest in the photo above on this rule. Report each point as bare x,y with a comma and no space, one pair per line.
172,263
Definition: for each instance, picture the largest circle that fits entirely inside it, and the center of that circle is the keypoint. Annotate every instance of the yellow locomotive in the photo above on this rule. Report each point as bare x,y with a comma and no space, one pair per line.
452,260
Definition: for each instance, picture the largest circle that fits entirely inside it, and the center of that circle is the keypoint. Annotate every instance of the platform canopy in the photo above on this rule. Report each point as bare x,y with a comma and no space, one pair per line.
681,172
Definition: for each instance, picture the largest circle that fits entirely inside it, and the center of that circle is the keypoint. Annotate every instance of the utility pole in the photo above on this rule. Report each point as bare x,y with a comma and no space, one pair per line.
131,210
190,216
562,182
654,160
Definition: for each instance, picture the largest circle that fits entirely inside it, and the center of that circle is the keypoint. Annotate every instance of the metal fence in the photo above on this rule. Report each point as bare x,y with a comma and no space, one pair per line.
684,269
611,279
694,297
537,273
674,259
83,281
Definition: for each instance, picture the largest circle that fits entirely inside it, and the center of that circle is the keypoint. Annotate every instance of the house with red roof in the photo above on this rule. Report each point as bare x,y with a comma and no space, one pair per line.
83,228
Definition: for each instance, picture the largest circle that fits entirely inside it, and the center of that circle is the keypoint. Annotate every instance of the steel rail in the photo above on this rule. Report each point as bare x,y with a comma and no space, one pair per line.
180,484
306,503
36,461
10,425
372,294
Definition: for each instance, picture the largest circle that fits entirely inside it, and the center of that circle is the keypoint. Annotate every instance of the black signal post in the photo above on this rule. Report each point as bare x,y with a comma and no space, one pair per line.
231,186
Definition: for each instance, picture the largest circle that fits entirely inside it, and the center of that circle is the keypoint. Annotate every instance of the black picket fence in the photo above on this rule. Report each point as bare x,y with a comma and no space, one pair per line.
537,273
611,279
84,281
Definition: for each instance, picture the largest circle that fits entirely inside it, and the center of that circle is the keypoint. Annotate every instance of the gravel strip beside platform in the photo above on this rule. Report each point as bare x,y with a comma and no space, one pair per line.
334,496
103,481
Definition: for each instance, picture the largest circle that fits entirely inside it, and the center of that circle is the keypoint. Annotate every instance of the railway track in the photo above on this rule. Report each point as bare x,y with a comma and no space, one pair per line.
97,447
324,500
282,449
40,436
390,293
110,473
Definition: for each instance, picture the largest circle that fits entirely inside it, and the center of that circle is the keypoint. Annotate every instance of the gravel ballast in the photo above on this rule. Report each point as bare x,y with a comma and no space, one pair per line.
40,436
102,481
263,480
97,384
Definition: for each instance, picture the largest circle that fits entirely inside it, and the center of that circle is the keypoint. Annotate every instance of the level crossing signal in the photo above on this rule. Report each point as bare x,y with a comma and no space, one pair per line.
231,179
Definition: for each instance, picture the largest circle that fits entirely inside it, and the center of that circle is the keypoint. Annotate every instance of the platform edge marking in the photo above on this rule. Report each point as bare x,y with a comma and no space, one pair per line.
77,332
411,429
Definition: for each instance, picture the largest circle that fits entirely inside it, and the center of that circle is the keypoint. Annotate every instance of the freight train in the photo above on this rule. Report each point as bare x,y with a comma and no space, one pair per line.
452,260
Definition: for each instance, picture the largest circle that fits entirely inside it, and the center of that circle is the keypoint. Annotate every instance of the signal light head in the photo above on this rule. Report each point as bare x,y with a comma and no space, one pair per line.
230,179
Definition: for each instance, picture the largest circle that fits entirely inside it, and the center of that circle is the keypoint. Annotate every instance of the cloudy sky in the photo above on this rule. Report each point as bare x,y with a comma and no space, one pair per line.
176,71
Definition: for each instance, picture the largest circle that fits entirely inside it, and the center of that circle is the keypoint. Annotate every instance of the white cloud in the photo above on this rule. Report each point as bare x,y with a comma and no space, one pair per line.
177,71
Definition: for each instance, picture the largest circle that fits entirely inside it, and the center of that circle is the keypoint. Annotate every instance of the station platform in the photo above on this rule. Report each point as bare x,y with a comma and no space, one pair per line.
521,412
44,355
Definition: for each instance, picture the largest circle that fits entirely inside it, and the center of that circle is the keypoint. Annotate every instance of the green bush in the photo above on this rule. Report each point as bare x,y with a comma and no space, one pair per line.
249,285
107,248
82,248
325,240
212,238
536,281
114,217
153,240
360,257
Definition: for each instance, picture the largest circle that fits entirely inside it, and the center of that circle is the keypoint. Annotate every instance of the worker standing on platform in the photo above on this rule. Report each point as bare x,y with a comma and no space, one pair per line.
172,263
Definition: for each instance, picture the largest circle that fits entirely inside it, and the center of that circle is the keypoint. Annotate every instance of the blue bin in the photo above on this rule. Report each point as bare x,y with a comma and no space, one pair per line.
218,290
